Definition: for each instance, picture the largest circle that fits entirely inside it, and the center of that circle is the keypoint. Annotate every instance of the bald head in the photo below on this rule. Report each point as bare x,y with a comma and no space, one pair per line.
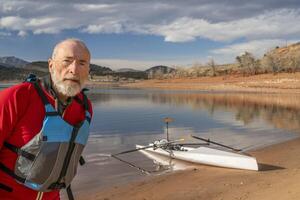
70,41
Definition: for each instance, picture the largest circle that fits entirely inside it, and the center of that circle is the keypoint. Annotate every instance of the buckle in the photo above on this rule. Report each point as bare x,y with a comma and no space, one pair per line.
57,186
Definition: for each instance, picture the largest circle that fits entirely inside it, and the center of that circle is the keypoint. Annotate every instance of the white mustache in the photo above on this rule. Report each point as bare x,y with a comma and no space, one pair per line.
72,79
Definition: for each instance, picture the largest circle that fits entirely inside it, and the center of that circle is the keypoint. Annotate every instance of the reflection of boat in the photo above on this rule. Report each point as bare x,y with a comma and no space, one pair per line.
203,155
165,162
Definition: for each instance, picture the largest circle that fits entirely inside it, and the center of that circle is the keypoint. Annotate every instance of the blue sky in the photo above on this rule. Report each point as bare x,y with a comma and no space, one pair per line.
141,34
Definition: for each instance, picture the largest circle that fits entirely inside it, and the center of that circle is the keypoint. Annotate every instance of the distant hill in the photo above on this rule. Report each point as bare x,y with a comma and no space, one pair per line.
283,58
158,71
41,66
11,61
13,73
127,70
99,70
13,68
8,71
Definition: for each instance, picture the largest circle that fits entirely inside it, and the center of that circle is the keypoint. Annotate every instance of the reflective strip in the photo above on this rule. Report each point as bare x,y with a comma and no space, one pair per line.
39,195
33,186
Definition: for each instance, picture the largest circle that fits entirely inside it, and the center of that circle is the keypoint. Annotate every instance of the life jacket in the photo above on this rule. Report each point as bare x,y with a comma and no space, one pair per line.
49,160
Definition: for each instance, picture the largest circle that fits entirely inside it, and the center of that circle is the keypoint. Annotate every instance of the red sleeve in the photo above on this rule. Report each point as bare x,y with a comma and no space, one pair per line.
13,103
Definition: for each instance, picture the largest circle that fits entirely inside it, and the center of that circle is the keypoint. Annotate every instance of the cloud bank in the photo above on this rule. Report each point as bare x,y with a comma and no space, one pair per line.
260,24
175,21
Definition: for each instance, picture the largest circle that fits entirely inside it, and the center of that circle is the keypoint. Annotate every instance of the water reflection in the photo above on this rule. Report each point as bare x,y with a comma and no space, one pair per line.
281,111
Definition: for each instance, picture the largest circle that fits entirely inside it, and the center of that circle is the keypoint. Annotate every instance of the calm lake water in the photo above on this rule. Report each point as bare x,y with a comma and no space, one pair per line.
125,117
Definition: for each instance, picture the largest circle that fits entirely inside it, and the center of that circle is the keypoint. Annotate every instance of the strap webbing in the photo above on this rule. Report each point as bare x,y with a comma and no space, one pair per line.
19,151
5,187
70,193
54,113
11,173
41,92
81,161
88,119
35,81
85,101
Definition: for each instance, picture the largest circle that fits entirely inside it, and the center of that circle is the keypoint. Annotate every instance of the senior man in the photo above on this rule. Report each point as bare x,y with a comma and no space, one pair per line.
44,126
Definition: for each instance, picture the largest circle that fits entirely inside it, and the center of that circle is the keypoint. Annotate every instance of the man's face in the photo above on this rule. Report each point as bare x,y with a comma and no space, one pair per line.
69,68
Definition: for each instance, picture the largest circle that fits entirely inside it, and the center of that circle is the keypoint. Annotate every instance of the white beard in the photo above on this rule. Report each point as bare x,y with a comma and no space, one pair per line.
66,89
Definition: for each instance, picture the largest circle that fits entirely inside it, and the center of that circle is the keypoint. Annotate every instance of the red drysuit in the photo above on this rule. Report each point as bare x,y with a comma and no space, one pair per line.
21,116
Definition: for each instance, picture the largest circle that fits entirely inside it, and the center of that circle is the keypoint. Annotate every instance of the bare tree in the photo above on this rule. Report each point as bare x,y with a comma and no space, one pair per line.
295,63
181,72
248,64
212,65
196,70
271,63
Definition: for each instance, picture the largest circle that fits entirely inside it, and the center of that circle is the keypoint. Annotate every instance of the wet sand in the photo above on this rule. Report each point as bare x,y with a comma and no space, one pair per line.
278,178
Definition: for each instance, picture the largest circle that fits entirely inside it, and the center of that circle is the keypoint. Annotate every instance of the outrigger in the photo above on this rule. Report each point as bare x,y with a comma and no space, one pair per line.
231,158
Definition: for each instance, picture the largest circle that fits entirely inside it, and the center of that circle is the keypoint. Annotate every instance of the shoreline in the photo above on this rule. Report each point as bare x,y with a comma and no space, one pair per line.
278,178
262,83
280,171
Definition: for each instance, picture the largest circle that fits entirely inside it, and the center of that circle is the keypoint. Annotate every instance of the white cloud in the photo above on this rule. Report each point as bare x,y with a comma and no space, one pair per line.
50,30
10,6
93,7
268,25
48,25
12,23
105,27
22,33
37,22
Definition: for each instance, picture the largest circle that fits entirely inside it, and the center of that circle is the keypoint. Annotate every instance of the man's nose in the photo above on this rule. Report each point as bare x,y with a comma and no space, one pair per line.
73,67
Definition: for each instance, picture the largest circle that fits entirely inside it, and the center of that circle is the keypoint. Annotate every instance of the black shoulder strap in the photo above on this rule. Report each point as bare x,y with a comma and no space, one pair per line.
70,193
19,151
41,92
5,187
85,99
86,104
35,81
11,173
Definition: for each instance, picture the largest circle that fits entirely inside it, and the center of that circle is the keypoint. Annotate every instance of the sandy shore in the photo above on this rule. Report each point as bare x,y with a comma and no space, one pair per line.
278,178
266,83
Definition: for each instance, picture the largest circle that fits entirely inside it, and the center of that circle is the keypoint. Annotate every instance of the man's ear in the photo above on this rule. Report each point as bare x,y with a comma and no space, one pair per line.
50,64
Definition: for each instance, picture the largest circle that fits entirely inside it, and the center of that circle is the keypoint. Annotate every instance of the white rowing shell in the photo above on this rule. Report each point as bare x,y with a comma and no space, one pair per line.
208,156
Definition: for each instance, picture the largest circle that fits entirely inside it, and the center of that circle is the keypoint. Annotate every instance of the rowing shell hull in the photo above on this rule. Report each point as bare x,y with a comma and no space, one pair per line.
208,156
